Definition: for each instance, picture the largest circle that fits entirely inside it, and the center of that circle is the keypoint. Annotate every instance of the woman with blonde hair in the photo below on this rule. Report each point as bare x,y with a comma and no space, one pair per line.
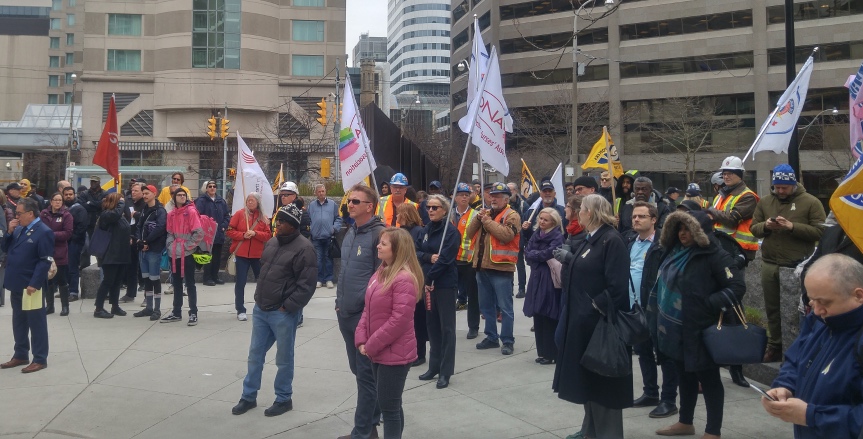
249,230
385,332
542,301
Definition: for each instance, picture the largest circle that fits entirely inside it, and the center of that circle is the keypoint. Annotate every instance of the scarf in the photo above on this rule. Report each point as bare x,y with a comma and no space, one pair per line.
25,190
667,299
573,228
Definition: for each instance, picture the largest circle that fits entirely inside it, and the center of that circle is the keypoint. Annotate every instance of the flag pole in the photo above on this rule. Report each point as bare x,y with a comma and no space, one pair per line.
610,165
225,161
243,180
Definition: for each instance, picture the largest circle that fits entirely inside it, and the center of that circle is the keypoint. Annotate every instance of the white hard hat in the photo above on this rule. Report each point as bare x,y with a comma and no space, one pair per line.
289,186
717,178
732,163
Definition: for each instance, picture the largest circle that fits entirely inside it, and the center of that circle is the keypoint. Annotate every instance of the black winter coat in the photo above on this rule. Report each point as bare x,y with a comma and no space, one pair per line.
289,271
443,273
600,263
573,241
218,210
119,249
80,221
152,229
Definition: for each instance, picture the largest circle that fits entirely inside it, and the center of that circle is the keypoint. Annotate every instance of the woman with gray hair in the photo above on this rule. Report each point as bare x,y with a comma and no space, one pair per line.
542,301
249,229
598,274
441,288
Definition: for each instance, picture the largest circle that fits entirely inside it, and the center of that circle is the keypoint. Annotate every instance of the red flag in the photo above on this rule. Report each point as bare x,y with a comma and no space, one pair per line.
108,149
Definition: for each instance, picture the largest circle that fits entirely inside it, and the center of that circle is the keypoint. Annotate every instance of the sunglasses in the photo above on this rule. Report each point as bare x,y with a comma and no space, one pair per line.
175,179
637,216
433,208
355,201
605,179
210,185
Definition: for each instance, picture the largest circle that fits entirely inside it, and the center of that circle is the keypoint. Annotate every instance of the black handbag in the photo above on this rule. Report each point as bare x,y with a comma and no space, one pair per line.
335,252
735,343
632,325
606,353
99,242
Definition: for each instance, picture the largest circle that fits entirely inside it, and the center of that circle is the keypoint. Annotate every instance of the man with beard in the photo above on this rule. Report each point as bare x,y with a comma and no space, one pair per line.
623,190
80,221
13,194
643,190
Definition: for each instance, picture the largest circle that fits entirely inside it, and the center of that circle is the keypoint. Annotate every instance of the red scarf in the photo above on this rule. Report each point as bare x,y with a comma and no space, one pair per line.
573,228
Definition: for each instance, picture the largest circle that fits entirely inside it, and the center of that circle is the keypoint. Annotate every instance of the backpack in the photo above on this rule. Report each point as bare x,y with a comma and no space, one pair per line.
210,228
733,248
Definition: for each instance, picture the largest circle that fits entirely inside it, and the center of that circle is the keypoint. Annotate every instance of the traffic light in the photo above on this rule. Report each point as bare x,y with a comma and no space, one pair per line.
340,110
211,127
325,168
224,129
322,112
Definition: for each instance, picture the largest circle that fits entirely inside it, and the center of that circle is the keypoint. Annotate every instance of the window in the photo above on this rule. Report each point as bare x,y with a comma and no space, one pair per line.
216,34
124,24
311,3
307,65
56,23
70,20
52,99
71,3
813,10
70,59
68,79
67,97
54,42
53,80
124,60
56,5
53,61
70,39
305,30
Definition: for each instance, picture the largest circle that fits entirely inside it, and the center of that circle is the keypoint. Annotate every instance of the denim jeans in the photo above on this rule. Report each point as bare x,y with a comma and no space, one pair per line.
74,270
269,327
151,265
243,265
495,292
325,263
390,382
647,362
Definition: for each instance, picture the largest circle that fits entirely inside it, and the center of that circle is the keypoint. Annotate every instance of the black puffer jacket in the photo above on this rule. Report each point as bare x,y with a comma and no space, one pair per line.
118,252
288,273
153,227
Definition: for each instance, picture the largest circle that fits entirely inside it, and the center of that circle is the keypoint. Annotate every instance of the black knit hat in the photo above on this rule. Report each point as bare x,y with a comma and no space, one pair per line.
291,214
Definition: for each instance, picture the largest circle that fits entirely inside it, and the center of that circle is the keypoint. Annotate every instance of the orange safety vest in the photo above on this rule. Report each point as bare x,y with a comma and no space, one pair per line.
743,235
388,215
500,253
468,243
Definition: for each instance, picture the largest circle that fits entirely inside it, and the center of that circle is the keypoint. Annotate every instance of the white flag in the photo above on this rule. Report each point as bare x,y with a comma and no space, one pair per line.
355,156
250,178
557,182
478,63
488,119
778,129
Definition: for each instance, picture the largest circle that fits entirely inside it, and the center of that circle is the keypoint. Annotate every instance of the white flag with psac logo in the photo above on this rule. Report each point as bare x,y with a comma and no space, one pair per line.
250,178
488,119
778,129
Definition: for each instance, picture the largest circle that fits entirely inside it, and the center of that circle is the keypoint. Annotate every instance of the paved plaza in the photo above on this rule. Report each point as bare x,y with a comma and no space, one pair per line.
131,378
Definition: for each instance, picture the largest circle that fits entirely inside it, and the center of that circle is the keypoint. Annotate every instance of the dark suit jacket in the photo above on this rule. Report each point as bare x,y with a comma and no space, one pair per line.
29,257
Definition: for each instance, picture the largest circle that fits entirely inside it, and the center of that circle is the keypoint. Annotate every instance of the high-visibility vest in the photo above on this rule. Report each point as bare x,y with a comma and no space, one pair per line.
742,234
499,252
467,246
704,204
388,216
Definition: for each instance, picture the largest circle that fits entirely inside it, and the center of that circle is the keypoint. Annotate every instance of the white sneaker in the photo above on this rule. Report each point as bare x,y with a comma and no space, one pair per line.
329,284
170,290
318,285
242,317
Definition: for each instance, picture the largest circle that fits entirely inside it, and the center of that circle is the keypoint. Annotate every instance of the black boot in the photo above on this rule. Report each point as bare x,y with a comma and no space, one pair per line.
49,299
64,300
737,376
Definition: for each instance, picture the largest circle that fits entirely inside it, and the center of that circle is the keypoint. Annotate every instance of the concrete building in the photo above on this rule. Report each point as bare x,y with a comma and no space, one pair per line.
24,28
646,53
418,34
374,48
173,63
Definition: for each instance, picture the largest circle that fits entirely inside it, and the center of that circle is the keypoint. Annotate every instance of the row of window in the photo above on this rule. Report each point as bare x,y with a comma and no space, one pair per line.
54,80
422,72
216,34
815,10
553,41
426,7
54,98
54,61
130,61
686,25
826,52
24,11
421,59
693,64
57,23
54,42
425,20
420,46
57,5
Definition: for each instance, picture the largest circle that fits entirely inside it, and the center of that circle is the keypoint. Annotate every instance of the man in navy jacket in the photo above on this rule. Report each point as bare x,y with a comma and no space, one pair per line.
29,245
820,388
215,207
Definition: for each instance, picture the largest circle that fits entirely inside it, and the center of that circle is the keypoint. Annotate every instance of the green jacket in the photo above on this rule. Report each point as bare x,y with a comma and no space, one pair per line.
789,247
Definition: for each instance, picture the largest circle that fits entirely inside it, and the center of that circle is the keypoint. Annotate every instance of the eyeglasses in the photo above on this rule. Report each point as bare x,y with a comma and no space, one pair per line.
175,179
17,213
433,208
286,195
637,216
210,185
355,201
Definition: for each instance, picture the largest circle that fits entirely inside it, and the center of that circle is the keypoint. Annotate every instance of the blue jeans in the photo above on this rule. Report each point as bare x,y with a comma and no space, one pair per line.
243,265
325,263
269,327
74,269
495,292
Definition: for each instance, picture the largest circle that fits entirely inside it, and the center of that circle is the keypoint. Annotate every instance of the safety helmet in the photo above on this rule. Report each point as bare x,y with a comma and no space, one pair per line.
716,178
289,186
732,163
202,258
399,179
463,187
499,188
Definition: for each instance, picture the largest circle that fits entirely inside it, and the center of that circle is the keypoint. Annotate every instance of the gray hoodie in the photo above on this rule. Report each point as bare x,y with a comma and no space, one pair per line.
359,262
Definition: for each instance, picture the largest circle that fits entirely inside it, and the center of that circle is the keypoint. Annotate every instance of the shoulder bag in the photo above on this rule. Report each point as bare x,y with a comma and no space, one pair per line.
735,343
99,242
632,325
606,353
335,251
555,266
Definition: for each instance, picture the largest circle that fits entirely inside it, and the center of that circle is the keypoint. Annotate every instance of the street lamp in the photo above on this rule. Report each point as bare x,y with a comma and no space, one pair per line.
71,125
573,157
806,127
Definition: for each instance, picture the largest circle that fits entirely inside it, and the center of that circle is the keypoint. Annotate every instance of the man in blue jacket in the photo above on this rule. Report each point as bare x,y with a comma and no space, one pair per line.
29,245
215,207
820,388
326,223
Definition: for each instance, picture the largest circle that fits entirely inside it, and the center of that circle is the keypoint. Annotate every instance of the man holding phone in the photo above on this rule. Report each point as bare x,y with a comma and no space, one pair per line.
820,384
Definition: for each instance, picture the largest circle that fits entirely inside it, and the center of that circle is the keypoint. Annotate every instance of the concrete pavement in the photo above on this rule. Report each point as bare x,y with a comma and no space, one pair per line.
129,377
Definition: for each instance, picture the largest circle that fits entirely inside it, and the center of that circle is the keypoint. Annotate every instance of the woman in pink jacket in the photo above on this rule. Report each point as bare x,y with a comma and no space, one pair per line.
185,233
386,330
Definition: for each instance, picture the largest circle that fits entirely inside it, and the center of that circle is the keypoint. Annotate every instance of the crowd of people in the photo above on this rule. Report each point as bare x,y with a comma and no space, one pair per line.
409,261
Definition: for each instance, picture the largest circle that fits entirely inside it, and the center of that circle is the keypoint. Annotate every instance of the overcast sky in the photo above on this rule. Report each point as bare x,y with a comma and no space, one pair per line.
365,16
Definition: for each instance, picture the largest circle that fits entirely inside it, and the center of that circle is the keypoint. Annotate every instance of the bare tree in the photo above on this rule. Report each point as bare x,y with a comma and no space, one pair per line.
684,127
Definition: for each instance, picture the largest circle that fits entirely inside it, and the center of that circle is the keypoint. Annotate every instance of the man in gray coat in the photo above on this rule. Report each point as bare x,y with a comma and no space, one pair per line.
359,261
286,285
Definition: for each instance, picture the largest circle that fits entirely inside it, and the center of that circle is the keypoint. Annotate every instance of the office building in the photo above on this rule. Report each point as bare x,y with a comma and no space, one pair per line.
374,48
418,34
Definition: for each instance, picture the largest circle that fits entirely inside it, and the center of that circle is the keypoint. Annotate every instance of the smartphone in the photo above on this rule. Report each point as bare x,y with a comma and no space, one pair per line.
762,392
773,218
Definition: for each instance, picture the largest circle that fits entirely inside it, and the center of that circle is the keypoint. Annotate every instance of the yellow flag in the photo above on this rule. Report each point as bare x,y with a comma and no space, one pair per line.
598,157
280,178
847,203
528,183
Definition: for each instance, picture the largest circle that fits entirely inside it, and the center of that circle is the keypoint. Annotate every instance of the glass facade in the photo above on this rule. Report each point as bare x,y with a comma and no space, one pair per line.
216,34
686,25
310,3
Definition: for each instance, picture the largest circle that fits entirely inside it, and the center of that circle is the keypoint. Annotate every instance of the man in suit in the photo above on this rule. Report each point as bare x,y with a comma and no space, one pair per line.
29,245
